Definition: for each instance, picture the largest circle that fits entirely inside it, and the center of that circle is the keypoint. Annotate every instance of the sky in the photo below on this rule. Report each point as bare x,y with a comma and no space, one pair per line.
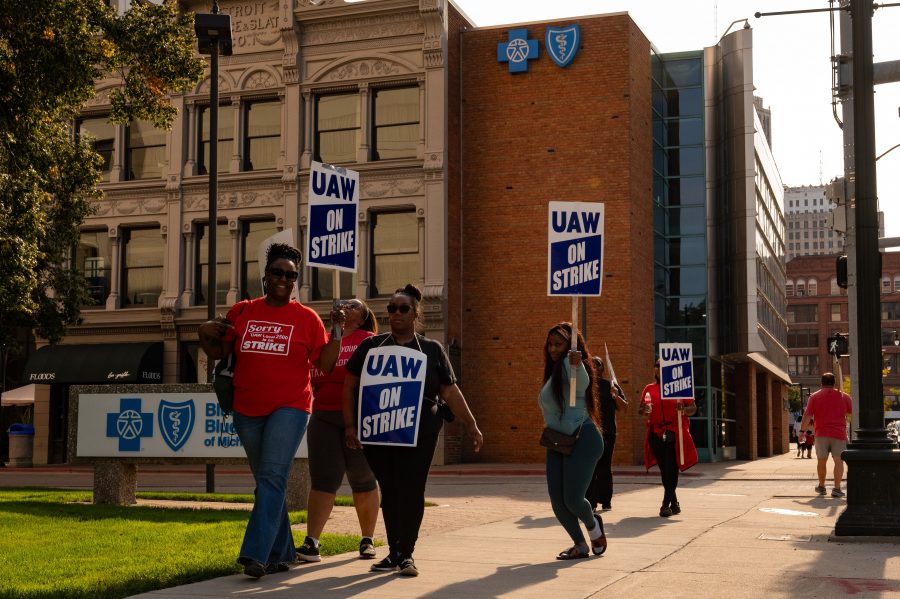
792,72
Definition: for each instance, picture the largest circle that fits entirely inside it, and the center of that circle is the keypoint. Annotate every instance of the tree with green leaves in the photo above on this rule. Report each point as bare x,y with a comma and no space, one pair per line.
52,52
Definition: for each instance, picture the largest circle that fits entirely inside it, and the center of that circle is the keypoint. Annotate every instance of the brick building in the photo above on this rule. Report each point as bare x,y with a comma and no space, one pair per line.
458,157
817,308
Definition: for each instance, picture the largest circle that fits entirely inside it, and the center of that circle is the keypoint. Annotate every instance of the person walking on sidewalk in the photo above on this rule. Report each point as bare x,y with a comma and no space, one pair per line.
661,442
275,339
600,491
568,475
403,471
329,456
829,408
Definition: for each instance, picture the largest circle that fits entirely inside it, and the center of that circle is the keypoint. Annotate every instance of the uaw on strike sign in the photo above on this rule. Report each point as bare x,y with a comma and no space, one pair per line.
676,376
575,252
390,396
333,206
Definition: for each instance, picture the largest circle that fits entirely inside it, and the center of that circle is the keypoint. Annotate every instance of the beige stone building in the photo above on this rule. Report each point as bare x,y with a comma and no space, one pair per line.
363,85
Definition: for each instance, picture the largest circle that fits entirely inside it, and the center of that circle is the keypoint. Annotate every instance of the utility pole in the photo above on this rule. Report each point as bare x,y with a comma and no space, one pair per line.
873,489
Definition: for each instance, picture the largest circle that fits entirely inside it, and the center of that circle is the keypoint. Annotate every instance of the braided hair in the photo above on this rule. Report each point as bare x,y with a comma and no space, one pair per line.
277,251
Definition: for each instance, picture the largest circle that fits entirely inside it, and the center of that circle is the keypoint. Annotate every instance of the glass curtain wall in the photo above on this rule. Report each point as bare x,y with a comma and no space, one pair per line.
680,241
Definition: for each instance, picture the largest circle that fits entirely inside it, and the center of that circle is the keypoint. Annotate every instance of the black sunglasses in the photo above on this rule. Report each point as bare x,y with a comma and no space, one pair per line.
290,275
404,308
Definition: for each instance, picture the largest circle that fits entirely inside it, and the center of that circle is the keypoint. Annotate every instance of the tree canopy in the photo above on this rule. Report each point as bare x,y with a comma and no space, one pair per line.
52,52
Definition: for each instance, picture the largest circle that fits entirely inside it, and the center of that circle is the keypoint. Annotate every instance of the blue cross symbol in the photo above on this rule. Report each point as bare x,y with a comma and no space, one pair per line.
129,424
517,51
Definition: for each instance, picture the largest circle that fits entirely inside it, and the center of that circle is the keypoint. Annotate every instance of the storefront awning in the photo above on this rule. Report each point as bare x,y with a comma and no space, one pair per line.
96,364
20,396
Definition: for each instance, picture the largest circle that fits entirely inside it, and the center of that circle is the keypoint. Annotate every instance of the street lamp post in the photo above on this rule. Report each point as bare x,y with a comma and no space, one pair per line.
213,36
873,493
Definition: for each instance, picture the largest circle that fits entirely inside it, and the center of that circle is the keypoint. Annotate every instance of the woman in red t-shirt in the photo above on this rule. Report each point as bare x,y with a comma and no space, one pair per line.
329,456
275,339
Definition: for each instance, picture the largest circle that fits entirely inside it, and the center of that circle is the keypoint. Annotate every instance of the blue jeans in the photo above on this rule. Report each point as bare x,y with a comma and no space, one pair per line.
271,443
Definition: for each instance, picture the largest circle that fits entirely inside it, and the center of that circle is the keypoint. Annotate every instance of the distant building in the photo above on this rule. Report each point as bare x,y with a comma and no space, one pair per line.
765,118
817,308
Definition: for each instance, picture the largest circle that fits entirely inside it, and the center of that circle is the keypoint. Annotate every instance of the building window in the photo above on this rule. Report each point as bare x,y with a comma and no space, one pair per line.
324,281
145,151
896,284
337,128
835,290
396,120
142,267
92,258
253,233
802,313
803,365
262,142
812,288
789,289
885,285
835,312
225,140
201,263
395,251
101,135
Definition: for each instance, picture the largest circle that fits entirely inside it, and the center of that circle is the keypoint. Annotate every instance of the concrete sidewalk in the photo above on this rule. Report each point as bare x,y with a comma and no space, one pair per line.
748,529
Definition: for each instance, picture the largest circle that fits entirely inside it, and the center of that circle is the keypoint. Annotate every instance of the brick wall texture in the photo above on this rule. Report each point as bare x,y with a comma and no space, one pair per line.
581,133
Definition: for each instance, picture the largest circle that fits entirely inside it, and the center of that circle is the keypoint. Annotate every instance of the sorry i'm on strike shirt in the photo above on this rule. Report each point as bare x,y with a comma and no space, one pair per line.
274,346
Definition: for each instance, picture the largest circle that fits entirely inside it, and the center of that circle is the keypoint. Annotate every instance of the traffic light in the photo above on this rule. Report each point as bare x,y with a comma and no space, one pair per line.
841,268
839,345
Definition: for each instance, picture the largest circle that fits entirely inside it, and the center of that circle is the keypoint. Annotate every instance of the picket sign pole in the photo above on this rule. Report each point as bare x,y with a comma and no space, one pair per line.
572,371
680,439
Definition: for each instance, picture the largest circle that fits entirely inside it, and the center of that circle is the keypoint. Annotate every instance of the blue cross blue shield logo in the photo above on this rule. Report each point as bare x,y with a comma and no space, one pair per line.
176,421
562,43
129,424
517,51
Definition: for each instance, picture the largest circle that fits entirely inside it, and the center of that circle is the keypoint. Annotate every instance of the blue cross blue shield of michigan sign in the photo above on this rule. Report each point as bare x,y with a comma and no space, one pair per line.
562,43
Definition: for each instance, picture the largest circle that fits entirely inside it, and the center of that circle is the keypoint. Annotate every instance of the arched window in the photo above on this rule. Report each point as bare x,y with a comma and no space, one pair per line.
835,290
812,287
789,288
801,288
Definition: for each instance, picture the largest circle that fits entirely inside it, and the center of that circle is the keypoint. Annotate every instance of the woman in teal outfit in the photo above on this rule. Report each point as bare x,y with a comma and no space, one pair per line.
568,476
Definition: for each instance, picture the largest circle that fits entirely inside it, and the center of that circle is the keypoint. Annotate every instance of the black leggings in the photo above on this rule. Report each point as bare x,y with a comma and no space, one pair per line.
668,466
600,491
401,473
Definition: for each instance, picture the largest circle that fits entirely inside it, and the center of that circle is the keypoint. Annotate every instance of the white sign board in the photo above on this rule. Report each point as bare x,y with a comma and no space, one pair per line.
575,249
390,396
286,237
156,425
676,371
332,220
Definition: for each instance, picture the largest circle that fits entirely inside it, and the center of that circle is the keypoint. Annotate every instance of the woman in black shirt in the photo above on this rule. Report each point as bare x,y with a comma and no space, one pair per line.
402,471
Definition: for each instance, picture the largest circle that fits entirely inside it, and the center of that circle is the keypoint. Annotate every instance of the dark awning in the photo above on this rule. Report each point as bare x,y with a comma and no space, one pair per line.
96,364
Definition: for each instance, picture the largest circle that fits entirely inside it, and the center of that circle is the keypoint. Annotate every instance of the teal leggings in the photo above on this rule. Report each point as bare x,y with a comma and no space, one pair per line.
568,477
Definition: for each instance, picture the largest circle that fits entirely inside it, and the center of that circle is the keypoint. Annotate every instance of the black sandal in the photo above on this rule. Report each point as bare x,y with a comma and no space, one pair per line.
598,546
572,553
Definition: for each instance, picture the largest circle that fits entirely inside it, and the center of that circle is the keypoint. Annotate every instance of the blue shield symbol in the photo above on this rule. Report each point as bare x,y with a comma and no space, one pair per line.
176,421
562,44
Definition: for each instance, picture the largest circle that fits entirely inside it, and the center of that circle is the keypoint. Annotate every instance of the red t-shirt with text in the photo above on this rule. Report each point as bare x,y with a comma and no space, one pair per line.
829,408
328,389
274,346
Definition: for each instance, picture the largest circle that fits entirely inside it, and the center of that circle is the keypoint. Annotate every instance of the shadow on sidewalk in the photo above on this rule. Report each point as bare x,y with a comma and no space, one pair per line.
506,579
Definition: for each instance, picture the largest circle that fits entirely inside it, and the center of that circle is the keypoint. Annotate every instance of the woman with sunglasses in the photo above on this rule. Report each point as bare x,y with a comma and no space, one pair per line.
275,339
403,471
568,476
329,456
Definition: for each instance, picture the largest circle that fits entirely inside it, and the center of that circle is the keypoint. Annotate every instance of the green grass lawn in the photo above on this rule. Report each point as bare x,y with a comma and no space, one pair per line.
53,546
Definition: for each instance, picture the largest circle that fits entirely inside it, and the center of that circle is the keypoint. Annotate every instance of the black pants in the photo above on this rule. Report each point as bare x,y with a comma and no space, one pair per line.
668,466
600,491
401,473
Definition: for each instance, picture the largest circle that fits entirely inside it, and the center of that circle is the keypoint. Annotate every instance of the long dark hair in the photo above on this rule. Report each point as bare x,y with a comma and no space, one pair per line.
369,322
554,371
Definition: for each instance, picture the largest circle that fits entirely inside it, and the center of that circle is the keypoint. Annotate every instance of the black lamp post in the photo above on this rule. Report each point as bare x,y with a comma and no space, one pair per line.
213,36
